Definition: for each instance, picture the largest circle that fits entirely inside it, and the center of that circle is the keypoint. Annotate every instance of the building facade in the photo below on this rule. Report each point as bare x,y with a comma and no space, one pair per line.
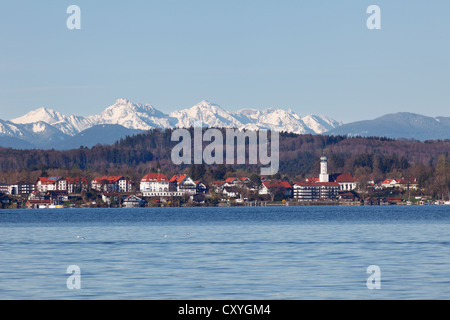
111,184
158,185
184,184
309,190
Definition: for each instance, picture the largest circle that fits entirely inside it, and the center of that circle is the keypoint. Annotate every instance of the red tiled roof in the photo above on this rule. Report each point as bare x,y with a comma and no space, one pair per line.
277,184
74,180
178,178
407,181
48,180
154,177
330,184
112,179
345,177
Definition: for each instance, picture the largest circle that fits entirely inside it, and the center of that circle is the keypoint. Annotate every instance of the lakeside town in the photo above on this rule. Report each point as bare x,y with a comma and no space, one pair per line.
156,189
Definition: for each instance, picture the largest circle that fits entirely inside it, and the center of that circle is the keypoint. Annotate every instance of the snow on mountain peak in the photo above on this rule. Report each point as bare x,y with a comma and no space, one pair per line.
132,116
210,114
42,114
125,105
47,122
121,101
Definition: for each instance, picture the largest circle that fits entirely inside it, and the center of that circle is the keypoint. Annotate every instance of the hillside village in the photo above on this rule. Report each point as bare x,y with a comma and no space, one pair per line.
156,189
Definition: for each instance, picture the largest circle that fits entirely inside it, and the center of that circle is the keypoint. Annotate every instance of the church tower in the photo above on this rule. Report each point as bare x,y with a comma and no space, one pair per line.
324,177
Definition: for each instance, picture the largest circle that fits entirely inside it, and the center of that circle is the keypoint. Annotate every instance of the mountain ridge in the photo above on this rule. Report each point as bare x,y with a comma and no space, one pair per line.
143,117
400,125
47,128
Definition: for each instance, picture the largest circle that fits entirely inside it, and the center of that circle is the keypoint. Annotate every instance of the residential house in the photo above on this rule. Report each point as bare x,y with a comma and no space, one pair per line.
219,185
269,187
38,195
201,187
109,197
404,183
390,183
408,184
234,181
184,184
245,180
348,196
231,192
133,202
111,184
58,196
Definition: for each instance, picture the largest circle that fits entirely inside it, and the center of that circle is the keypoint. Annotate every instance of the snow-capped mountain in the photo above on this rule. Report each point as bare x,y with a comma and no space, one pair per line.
44,127
212,115
289,121
206,113
38,133
69,125
133,116
42,114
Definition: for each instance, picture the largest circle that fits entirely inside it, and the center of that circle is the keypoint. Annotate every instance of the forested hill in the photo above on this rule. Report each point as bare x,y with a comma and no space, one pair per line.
299,156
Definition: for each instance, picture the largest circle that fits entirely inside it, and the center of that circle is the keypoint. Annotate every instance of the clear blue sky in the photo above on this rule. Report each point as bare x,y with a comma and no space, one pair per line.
311,56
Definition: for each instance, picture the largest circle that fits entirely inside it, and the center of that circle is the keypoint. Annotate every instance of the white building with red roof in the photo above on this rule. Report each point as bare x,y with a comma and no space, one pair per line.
184,184
69,184
268,186
404,183
346,182
311,190
45,184
111,184
156,184
390,183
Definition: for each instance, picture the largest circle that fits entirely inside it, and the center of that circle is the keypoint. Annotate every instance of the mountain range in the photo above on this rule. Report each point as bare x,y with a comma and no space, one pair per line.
401,125
45,128
48,129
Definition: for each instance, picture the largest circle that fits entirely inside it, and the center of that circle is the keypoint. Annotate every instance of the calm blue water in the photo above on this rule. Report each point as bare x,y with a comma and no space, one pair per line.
226,253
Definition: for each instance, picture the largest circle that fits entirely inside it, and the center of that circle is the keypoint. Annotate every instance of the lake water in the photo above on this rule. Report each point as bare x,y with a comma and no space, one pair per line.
252,253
